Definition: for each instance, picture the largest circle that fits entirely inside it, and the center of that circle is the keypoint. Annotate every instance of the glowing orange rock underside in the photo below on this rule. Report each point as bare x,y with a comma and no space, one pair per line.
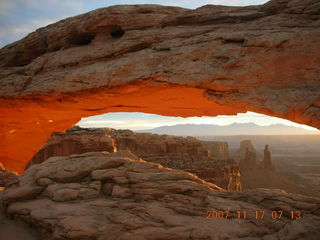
24,129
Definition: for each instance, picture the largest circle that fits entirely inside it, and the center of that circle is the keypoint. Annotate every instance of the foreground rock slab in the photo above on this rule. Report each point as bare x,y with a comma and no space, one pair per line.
119,196
12,230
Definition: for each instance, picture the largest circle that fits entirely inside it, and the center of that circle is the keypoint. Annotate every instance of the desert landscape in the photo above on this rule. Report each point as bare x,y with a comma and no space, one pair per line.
103,183
61,181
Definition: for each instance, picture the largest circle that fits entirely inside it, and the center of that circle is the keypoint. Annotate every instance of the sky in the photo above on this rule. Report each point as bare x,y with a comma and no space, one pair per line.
141,121
20,17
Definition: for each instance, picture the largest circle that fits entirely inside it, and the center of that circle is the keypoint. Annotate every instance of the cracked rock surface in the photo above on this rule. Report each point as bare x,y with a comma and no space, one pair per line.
119,196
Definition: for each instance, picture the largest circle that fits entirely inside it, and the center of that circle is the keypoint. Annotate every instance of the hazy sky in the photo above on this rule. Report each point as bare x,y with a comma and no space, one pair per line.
139,121
20,17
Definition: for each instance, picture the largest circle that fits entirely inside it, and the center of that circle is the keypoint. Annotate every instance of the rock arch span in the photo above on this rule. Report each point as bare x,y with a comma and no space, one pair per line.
163,60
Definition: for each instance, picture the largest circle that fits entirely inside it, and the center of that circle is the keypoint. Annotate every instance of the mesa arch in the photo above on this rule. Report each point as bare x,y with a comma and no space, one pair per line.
163,60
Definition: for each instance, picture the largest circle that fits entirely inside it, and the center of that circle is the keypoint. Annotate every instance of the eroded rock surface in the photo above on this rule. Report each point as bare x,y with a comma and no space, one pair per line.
118,196
13,230
163,60
6,177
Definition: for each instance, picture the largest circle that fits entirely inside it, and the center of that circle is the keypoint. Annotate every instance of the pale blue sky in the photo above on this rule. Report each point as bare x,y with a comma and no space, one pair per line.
20,17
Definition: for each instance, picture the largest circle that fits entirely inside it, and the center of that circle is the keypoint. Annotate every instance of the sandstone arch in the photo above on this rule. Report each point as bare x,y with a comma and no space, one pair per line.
164,60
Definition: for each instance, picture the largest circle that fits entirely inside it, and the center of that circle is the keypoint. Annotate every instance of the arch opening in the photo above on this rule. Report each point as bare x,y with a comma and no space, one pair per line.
28,124
210,70
236,152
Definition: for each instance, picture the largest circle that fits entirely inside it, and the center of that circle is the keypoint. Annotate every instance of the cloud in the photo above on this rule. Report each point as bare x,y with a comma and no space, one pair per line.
6,5
20,17
11,32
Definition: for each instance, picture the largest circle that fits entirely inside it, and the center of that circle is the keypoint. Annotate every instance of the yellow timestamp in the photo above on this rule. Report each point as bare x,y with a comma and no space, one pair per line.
257,214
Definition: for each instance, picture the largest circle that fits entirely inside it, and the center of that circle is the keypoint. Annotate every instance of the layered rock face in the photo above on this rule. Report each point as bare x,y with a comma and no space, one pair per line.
119,196
165,60
218,149
73,142
186,153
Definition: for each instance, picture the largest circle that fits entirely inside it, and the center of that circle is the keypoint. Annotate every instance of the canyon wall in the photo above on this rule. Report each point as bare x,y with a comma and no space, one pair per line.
165,60
185,153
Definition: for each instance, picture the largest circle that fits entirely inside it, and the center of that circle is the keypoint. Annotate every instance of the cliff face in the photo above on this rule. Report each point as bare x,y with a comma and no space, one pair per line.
218,149
244,146
119,196
166,60
186,153
66,143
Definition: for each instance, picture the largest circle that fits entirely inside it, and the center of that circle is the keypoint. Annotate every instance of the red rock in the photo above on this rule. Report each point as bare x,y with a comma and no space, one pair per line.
163,60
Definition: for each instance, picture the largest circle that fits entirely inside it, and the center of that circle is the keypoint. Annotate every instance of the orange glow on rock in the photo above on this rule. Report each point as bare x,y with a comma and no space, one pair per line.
35,119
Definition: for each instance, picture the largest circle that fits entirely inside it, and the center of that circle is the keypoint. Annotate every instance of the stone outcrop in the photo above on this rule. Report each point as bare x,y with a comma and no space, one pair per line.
249,160
165,60
247,155
6,177
185,153
74,141
119,196
267,161
218,149
245,145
